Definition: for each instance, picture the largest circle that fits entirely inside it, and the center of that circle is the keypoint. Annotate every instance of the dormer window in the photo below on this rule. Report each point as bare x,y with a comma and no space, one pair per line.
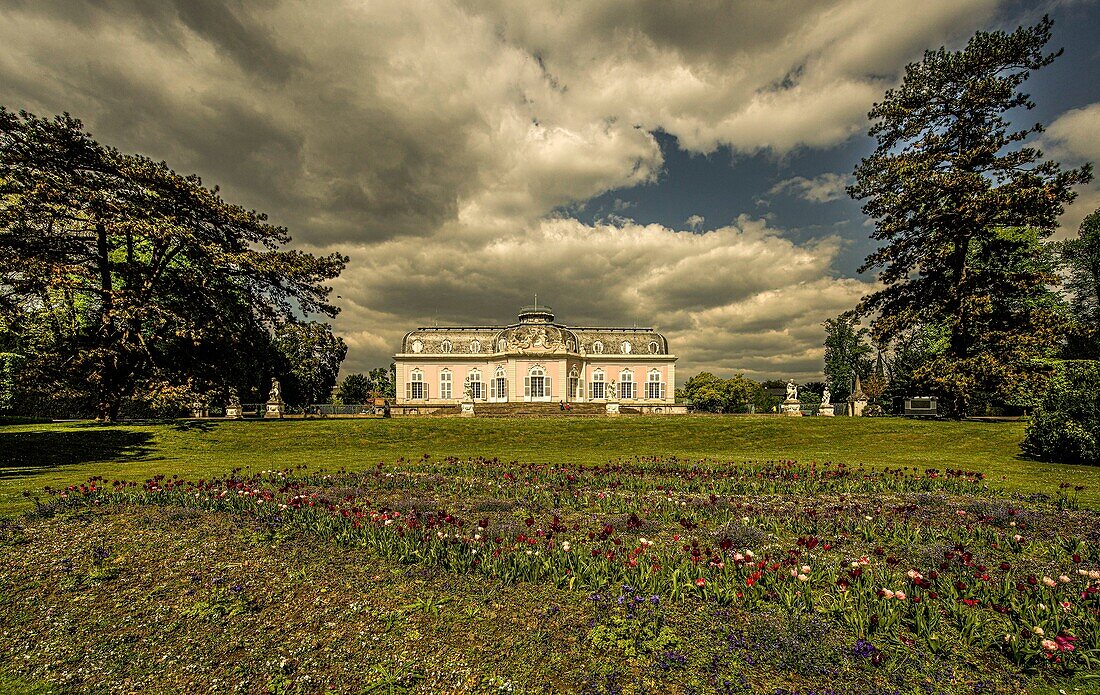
475,346
597,347
625,347
446,346
417,346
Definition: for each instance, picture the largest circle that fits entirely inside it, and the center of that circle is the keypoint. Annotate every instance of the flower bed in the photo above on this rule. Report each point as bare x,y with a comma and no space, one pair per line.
896,564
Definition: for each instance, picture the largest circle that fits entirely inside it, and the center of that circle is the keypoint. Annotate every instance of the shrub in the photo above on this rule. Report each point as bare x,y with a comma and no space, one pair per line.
1066,426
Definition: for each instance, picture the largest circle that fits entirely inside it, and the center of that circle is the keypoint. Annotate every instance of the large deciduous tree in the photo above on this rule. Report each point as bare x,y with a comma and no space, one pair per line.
1081,260
949,175
139,277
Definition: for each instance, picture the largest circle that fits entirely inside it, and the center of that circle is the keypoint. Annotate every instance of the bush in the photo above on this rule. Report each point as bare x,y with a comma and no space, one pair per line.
1066,427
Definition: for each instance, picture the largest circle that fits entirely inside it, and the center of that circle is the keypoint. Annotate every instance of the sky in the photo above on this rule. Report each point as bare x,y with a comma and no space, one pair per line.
675,164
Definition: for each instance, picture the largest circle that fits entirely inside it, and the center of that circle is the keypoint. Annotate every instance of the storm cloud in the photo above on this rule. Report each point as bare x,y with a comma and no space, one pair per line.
443,144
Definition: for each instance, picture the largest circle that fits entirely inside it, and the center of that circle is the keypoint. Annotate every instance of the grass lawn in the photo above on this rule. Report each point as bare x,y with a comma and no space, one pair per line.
665,575
32,456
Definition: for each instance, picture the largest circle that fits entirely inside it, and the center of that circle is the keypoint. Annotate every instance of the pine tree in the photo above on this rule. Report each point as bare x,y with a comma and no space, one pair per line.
949,175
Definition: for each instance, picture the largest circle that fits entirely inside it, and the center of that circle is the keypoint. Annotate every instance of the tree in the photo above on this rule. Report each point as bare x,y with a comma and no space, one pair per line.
948,174
116,268
706,393
1081,259
383,381
355,388
713,394
313,356
847,353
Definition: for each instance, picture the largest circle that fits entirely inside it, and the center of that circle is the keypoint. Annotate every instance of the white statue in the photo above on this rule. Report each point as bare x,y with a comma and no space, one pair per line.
792,391
276,395
826,395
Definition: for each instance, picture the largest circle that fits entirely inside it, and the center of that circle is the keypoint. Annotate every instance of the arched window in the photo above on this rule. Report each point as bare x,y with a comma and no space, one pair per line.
654,387
477,389
475,346
576,388
625,347
415,388
502,345
597,347
498,387
597,390
654,347
417,346
536,385
446,384
446,346
626,385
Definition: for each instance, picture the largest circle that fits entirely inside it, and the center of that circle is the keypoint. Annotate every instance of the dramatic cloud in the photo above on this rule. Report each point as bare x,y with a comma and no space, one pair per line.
1074,137
443,144
736,298
819,189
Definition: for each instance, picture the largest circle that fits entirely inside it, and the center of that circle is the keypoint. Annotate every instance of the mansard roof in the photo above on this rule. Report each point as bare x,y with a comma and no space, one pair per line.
536,331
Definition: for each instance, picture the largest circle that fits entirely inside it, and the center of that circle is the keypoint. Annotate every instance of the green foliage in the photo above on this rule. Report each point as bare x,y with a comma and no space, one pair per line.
847,353
712,394
355,388
962,207
220,604
120,275
1081,259
383,381
1066,427
313,356
9,366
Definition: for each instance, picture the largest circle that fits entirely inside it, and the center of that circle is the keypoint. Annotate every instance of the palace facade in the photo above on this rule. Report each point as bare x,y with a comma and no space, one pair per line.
535,359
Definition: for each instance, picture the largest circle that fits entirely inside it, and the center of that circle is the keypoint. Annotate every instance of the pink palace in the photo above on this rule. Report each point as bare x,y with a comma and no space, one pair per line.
536,359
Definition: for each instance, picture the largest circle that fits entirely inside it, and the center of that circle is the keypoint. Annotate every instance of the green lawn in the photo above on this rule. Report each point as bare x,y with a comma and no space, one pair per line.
32,456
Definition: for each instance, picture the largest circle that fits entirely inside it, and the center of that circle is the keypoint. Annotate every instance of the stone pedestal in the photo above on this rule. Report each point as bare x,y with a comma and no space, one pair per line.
274,409
233,412
467,410
856,406
612,409
826,411
791,408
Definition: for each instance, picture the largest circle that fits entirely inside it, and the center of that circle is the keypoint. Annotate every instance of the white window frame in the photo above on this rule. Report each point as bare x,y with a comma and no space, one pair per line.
475,346
626,383
446,346
416,389
538,372
654,387
446,385
597,347
498,387
477,386
597,388
625,347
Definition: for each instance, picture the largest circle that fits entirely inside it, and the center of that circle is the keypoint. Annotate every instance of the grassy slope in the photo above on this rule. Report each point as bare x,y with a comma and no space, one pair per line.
32,456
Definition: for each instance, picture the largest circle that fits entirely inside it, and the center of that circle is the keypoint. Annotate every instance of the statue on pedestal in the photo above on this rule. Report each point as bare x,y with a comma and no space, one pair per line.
274,400
826,408
792,406
233,409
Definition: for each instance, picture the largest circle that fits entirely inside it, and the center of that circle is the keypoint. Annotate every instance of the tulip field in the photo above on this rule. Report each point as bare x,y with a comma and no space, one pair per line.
645,573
